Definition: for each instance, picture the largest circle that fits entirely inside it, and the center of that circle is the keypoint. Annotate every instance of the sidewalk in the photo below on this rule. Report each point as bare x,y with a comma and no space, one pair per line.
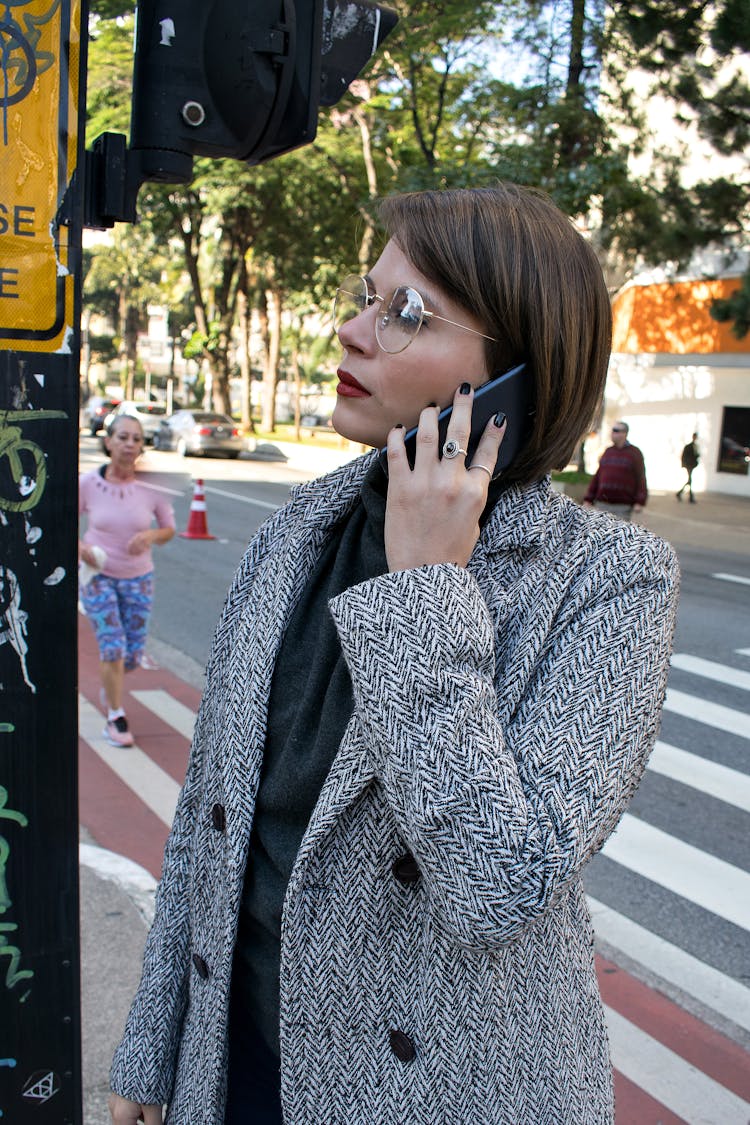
715,522
113,933
116,895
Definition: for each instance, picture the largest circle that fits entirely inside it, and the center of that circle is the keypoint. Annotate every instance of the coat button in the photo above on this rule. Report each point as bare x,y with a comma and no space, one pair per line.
402,1046
200,966
405,869
218,818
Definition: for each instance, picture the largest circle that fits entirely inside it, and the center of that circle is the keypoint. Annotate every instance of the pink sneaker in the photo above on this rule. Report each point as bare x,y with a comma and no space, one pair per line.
116,732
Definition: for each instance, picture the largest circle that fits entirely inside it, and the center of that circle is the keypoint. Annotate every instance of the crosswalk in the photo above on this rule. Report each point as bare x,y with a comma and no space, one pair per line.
671,1062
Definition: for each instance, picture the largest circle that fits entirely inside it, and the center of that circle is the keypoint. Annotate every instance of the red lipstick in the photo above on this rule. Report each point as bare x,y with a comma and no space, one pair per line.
348,387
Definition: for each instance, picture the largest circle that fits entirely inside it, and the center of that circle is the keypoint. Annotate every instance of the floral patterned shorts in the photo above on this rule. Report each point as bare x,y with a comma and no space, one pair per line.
119,610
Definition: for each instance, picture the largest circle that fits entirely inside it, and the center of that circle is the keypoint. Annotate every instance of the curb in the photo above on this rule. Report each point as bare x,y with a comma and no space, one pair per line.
132,879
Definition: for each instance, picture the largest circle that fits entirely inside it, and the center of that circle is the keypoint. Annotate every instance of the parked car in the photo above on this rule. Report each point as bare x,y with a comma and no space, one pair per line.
95,411
149,414
199,432
735,457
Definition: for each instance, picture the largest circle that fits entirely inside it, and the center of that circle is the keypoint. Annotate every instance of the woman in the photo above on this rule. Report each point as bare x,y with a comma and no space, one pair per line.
117,545
429,701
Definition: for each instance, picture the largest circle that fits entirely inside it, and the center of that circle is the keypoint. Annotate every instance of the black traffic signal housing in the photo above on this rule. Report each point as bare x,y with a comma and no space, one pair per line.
227,78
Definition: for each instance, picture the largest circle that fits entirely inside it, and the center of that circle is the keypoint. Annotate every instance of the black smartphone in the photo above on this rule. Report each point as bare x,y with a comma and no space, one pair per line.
509,393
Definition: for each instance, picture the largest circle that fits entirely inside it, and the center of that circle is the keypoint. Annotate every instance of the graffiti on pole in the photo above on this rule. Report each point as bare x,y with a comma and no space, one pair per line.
41,66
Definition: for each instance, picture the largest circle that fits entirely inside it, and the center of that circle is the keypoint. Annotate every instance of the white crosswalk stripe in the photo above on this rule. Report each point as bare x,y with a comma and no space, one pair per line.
715,780
693,977
677,1084
149,781
733,578
710,670
712,714
177,715
719,887
687,871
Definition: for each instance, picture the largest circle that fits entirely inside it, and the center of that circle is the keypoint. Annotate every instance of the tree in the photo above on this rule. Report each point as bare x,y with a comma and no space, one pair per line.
696,56
429,113
123,278
735,309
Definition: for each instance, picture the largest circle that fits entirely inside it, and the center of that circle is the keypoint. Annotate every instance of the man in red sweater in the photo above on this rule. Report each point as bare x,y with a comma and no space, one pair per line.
619,484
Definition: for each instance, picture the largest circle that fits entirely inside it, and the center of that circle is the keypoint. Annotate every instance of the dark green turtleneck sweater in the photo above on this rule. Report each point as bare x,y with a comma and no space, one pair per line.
311,703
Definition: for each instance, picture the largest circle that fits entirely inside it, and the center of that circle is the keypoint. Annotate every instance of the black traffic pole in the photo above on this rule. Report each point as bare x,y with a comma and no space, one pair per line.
41,151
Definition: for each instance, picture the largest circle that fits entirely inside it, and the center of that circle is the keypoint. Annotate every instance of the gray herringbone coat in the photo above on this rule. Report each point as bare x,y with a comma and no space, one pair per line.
503,716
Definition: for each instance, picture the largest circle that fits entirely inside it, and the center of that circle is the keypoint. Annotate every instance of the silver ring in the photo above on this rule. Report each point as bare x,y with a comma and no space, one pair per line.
452,449
483,468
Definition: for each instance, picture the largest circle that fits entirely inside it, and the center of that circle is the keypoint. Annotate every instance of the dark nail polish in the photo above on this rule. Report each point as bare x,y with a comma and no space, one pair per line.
499,419
465,388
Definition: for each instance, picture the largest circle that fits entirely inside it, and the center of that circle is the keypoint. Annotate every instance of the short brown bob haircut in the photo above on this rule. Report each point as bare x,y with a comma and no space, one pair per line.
510,257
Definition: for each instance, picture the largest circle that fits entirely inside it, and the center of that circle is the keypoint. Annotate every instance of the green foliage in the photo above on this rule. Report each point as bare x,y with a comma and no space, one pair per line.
430,111
698,57
735,309
111,9
109,76
201,343
103,348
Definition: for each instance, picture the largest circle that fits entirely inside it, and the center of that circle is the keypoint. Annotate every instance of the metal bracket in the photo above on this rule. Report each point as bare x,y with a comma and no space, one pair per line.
114,174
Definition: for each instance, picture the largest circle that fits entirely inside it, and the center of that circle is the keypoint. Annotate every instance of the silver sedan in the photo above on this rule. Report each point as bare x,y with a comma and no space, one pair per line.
199,432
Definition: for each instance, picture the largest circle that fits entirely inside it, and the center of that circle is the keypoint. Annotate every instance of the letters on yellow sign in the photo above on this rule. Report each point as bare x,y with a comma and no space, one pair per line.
18,220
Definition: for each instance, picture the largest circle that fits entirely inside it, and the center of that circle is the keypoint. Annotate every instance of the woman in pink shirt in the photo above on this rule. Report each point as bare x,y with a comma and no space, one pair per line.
118,598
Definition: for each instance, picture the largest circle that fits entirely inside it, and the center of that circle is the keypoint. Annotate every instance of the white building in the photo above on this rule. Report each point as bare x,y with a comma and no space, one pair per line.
676,371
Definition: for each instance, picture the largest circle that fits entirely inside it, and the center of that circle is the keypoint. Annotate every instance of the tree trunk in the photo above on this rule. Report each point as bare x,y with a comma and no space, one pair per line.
575,125
221,368
130,347
271,368
221,399
86,352
368,235
297,390
243,318
575,59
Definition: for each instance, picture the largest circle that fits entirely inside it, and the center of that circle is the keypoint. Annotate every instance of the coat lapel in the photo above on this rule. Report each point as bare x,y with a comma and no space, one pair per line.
352,771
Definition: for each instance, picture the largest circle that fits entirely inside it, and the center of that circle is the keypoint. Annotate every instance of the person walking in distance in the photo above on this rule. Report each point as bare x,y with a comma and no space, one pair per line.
118,595
619,484
689,461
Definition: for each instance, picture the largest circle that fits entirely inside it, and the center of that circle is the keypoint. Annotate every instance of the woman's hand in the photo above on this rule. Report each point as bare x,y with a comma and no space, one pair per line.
140,542
154,536
432,513
86,554
124,1112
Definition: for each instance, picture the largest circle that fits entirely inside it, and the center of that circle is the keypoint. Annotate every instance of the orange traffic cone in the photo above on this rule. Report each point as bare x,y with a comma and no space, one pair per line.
197,527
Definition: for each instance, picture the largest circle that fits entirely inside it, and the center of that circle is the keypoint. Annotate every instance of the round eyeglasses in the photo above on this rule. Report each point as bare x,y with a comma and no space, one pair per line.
400,318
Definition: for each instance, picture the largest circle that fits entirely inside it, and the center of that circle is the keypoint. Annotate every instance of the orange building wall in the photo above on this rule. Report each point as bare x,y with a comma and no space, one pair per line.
673,318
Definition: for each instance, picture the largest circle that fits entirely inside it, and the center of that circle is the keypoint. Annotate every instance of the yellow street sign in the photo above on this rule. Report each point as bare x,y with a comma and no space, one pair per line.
39,51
